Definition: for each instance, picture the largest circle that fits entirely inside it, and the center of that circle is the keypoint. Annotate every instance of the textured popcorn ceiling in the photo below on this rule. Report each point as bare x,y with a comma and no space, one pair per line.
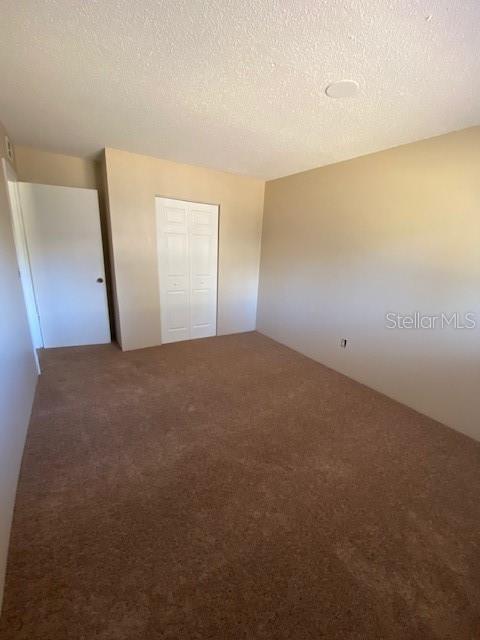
237,84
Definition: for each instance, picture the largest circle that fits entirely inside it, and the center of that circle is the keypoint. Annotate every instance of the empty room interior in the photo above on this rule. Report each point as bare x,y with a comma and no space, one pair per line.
240,327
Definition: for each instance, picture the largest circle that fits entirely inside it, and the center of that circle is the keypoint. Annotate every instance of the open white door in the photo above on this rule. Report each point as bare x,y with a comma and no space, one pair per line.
187,243
62,227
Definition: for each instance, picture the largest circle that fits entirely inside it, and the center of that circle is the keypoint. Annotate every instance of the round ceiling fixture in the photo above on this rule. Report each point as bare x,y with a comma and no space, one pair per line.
342,89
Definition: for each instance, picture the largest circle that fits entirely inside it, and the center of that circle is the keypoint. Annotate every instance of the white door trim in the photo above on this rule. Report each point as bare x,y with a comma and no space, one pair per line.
23,258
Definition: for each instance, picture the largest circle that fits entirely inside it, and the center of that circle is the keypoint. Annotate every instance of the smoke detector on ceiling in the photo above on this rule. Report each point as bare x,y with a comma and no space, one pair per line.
342,89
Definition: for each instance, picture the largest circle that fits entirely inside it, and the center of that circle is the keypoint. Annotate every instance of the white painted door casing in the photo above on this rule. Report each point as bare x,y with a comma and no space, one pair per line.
62,226
187,244
23,258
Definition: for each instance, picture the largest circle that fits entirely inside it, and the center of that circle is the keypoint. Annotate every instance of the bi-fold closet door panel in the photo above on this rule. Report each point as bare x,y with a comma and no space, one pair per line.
174,269
187,244
203,249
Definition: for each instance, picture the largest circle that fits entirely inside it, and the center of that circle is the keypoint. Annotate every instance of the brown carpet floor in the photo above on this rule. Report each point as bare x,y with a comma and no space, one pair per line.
231,488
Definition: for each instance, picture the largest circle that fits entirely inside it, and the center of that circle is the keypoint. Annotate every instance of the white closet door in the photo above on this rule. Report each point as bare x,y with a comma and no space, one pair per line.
174,268
62,227
203,241
187,241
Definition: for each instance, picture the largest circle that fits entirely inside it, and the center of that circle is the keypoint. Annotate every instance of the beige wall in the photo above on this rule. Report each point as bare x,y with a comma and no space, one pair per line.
18,375
393,231
44,167
133,182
